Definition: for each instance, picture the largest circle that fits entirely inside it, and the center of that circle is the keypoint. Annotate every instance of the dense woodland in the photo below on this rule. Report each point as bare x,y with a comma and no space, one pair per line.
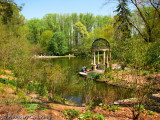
77,32
136,32
134,37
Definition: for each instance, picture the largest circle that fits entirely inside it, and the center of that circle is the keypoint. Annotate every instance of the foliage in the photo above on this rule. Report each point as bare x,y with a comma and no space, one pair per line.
49,22
144,73
79,30
11,82
56,82
99,117
86,115
113,108
121,21
32,106
149,18
136,53
89,115
94,103
63,100
150,112
80,33
57,44
106,107
45,39
9,10
76,33
71,114
95,76
35,29
139,106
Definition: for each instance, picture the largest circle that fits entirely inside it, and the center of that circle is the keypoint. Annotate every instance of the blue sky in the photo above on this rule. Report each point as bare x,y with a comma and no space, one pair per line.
38,8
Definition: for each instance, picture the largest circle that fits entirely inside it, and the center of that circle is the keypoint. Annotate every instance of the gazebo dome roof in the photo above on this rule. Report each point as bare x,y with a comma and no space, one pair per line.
100,44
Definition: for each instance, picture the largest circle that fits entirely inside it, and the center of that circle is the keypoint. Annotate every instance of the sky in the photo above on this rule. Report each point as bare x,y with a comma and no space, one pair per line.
38,8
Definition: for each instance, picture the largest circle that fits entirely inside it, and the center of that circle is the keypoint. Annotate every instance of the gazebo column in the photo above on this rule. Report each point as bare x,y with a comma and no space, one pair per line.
107,60
98,57
110,60
92,58
104,58
94,65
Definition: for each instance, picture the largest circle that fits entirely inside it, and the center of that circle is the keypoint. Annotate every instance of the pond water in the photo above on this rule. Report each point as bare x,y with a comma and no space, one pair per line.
83,91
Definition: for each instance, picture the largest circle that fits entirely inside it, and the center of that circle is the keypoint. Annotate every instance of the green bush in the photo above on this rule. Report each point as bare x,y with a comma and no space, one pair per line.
3,80
90,105
63,100
86,115
106,107
144,73
81,54
31,106
94,103
150,112
71,114
12,82
113,108
149,78
95,76
141,108
99,117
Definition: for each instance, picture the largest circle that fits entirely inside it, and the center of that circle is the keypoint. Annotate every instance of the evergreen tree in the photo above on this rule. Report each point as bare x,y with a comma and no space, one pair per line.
121,23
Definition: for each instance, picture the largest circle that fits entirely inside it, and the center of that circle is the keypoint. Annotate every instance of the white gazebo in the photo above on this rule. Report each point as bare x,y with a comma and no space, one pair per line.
100,46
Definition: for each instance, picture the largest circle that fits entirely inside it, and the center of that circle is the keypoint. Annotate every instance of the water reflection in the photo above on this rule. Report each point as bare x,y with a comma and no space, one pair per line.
82,91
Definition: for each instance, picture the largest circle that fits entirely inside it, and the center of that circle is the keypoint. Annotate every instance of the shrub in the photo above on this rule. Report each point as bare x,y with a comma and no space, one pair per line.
3,80
106,107
149,78
99,117
144,73
113,108
95,76
94,103
141,108
31,106
86,115
90,105
150,112
63,100
70,114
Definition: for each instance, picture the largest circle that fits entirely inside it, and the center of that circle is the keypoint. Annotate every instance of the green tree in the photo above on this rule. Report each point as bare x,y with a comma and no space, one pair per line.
99,21
57,45
82,33
68,31
8,10
45,39
35,30
88,20
16,51
49,21
149,18
121,23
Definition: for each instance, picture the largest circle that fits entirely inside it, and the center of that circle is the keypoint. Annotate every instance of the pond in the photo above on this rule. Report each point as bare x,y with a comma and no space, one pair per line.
83,91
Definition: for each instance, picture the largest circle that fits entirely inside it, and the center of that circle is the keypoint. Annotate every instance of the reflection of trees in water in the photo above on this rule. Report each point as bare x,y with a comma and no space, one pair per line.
68,83
101,91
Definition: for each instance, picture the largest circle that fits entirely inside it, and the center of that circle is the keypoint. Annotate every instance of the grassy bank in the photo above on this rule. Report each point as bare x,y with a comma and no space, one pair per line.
32,104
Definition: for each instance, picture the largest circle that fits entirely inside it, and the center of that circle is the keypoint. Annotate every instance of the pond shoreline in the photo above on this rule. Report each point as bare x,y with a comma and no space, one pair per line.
54,56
